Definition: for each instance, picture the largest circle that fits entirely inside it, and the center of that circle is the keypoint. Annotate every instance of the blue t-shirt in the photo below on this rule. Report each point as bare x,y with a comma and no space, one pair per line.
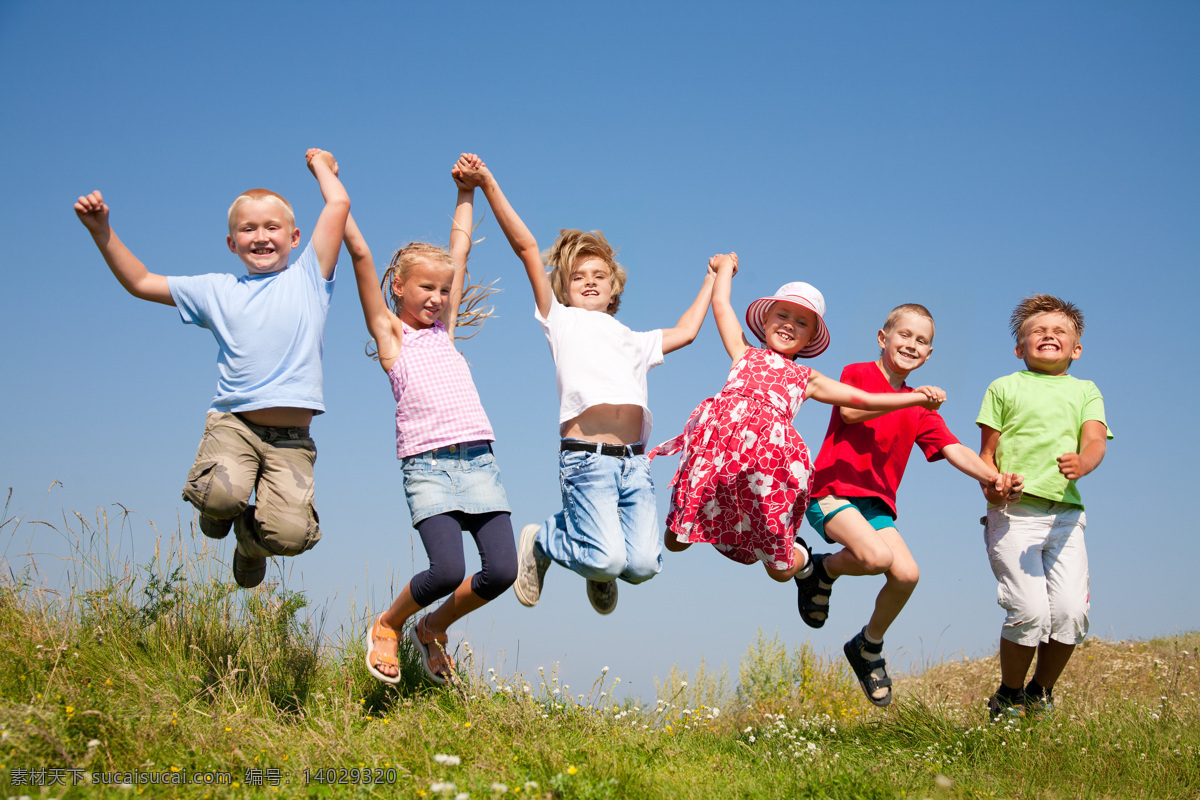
270,330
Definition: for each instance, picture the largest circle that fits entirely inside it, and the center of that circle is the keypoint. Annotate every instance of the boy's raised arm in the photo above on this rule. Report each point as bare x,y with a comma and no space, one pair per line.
331,225
728,324
131,272
684,332
518,235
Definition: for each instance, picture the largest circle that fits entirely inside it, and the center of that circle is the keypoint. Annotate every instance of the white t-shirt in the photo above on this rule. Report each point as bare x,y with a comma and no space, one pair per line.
599,361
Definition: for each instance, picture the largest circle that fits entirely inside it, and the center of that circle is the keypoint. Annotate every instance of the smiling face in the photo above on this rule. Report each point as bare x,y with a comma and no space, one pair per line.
907,344
423,295
788,328
262,236
1048,343
590,285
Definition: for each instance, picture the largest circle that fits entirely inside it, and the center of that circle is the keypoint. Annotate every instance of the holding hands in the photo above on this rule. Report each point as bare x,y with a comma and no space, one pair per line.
1004,487
934,397
720,260
317,157
469,172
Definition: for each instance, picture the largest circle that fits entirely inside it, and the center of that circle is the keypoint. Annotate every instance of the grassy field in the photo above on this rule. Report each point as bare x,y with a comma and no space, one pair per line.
168,671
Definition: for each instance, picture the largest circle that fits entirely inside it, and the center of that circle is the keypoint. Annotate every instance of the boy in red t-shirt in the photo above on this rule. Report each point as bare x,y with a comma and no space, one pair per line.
854,490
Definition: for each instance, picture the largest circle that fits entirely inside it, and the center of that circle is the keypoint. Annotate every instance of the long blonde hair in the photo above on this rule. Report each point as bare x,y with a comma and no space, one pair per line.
472,306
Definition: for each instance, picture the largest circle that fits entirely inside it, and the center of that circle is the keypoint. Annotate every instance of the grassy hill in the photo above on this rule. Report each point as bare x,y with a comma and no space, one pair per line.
169,671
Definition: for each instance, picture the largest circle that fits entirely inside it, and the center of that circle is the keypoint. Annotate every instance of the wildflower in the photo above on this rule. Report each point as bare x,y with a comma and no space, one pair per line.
438,787
461,796
530,785
499,787
447,760
571,770
466,724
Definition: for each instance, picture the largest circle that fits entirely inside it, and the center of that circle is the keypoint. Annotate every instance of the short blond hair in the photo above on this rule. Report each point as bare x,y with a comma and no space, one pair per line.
573,245
261,194
907,308
1036,304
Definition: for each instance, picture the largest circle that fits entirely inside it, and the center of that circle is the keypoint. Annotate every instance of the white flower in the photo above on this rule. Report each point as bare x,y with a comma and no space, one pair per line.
760,482
499,787
447,760
711,508
777,434
438,787
799,472
462,796
737,411
530,785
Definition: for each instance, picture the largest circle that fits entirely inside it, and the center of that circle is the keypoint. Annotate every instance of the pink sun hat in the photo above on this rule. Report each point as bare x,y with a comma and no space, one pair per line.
801,294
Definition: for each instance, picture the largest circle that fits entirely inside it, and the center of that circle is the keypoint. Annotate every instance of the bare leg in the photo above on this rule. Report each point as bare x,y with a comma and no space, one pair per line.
1014,663
403,607
672,543
901,581
1052,658
864,551
462,602
799,562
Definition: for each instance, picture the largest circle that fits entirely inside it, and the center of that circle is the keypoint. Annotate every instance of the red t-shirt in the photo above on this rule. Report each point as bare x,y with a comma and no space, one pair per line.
867,459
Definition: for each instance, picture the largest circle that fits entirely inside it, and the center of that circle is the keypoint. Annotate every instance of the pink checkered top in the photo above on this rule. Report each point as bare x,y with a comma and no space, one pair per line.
436,401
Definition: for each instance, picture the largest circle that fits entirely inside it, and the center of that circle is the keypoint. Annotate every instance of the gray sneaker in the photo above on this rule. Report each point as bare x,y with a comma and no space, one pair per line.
531,569
603,596
214,528
247,571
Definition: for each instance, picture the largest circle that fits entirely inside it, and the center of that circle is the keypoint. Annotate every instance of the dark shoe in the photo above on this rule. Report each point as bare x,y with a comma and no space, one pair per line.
1001,708
814,590
247,571
214,528
871,670
603,596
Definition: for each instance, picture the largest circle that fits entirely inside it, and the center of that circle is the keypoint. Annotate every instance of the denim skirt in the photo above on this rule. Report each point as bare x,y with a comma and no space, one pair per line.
460,477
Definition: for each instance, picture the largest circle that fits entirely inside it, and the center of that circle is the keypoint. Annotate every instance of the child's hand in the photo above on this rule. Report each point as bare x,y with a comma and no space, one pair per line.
469,172
92,211
1071,466
934,397
316,156
719,261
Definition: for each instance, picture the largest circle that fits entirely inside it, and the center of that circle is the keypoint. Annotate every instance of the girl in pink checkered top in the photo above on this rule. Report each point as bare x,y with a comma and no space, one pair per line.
443,438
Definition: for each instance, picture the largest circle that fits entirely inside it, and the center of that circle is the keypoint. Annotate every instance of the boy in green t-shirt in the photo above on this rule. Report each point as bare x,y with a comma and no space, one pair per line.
1049,427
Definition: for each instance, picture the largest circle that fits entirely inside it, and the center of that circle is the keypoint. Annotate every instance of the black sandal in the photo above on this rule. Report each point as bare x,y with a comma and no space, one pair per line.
872,675
815,586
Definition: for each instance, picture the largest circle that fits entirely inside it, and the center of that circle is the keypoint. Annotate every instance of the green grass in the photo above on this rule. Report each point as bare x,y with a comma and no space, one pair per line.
168,667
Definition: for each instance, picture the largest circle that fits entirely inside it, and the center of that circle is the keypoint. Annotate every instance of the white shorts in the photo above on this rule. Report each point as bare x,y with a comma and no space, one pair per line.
1037,553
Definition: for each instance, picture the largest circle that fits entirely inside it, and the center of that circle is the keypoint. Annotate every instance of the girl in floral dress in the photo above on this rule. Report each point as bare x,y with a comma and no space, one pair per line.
744,472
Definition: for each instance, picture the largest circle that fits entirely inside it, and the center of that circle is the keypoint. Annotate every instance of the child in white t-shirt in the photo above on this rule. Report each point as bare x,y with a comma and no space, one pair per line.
608,526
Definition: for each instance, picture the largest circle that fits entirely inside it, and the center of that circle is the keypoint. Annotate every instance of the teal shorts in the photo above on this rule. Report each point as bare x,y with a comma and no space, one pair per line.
873,510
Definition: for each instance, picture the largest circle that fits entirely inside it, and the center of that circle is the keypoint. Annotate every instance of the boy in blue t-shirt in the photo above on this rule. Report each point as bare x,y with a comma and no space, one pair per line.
269,325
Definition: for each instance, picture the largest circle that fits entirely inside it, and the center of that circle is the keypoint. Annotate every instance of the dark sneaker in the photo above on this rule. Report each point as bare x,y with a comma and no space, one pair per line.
1002,709
603,596
531,570
214,528
247,571
1039,705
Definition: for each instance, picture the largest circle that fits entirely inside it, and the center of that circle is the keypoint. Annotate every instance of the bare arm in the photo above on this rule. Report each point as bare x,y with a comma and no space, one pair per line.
853,415
1006,486
460,238
835,393
728,324
1093,444
331,225
989,439
131,272
684,332
382,324
522,241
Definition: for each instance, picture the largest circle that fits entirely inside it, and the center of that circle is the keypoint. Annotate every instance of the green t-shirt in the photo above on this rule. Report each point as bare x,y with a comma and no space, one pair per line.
1039,418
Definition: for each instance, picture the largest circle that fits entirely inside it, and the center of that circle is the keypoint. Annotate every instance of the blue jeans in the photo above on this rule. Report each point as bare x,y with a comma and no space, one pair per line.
608,527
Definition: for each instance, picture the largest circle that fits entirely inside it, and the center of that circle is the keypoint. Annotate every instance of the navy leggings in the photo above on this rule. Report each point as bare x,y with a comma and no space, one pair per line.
442,536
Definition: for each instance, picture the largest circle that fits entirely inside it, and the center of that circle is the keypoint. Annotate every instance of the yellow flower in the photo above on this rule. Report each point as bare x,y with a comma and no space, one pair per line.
466,724
571,770
227,730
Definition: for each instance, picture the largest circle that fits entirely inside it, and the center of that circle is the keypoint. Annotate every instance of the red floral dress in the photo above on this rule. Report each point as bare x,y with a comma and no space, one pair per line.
745,473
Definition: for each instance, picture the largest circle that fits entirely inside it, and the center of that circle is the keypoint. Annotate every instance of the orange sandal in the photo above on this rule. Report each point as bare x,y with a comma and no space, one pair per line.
435,660
378,632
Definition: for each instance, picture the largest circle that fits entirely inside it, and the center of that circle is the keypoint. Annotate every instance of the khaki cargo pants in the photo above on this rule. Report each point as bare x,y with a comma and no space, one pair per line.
236,458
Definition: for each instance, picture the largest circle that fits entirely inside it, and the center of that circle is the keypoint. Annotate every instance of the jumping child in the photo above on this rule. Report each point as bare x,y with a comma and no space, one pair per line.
443,438
858,472
608,526
744,474
269,325
1049,426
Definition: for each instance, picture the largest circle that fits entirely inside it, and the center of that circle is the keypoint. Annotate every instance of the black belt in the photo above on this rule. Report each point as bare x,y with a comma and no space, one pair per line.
615,450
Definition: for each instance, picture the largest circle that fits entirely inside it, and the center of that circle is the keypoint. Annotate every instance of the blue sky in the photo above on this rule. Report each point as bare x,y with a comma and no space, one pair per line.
957,155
